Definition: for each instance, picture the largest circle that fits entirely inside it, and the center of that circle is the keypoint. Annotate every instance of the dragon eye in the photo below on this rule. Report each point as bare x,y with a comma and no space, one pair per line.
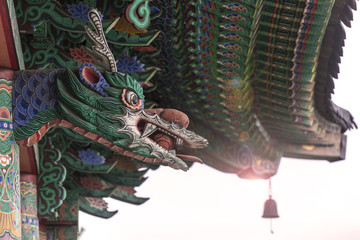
131,99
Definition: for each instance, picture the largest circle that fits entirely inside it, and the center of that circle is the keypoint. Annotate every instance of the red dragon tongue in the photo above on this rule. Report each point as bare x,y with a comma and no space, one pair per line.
171,115
166,141
189,158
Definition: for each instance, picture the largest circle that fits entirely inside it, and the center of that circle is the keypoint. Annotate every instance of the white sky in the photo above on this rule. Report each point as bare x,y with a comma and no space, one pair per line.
316,199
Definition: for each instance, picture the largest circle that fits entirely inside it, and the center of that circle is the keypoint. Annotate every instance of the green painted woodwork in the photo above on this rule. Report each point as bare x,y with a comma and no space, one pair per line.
82,179
246,70
231,66
62,232
124,181
10,208
68,211
55,30
127,194
51,178
89,186
138,13
29,208
95,206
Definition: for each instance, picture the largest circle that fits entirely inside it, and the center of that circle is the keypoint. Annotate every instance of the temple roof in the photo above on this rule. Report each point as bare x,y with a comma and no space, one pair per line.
255,77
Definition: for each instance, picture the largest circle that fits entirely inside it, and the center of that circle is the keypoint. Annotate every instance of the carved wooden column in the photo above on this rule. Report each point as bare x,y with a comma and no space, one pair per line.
29,215
10,225
10,58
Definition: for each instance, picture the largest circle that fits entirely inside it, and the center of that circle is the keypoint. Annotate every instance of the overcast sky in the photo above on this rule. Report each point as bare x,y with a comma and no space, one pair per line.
316,199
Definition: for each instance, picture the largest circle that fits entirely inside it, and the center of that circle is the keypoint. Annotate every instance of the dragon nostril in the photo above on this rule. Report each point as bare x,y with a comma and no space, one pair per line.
178,126
90,75
175,116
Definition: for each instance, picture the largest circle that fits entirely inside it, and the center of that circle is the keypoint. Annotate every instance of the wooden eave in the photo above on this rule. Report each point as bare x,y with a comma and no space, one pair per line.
314,131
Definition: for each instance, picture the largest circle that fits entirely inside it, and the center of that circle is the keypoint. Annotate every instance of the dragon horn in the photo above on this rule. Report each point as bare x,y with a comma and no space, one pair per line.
100,48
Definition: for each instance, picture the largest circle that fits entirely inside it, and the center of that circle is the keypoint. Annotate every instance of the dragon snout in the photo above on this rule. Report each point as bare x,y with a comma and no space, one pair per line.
175,116
172,115
162,131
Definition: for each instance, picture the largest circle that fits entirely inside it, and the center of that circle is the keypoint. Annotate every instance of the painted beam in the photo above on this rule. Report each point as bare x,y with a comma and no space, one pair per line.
10,214
11,53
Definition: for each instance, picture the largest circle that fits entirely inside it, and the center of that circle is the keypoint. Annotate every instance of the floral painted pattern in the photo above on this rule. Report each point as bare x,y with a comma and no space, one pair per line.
97,203
5,160
91,157
92,183
80,11
128,190
80,55
127,64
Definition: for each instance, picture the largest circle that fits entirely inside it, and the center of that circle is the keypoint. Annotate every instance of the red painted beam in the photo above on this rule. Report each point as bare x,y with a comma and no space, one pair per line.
8,56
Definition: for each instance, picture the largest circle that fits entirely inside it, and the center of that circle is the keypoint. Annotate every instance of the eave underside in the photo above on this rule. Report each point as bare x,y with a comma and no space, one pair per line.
290,84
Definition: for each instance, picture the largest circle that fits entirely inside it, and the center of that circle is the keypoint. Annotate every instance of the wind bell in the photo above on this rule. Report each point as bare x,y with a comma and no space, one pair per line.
270,208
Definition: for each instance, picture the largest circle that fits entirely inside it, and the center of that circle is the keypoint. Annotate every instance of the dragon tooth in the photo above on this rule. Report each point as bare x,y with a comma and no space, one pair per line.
179,141
148,130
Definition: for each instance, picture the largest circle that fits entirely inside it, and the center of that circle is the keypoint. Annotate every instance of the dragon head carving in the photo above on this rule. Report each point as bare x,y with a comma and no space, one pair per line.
110,108
106,107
